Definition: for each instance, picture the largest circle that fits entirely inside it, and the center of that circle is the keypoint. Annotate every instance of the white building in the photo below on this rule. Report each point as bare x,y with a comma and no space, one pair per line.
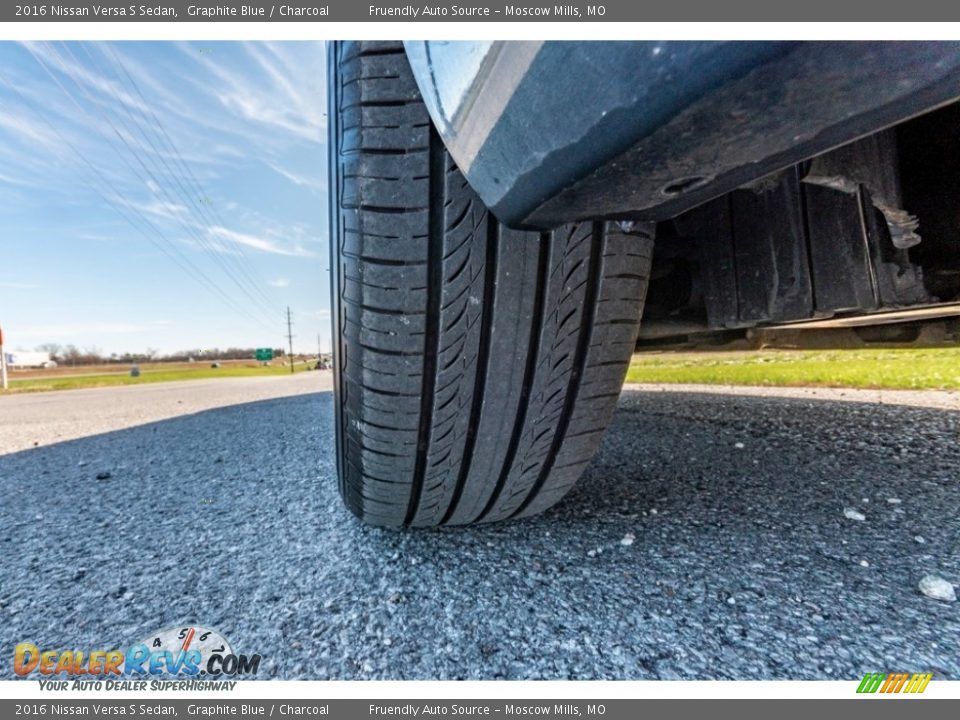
24,359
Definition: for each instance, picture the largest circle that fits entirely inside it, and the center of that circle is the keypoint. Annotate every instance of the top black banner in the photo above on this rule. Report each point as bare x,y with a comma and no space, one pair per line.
478,11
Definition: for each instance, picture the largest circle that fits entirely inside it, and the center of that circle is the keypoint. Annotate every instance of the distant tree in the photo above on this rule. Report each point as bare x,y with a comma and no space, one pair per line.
91,355
52,349
71,354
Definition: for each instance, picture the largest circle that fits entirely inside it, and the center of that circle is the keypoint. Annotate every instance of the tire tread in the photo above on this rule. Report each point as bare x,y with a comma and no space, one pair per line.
477,366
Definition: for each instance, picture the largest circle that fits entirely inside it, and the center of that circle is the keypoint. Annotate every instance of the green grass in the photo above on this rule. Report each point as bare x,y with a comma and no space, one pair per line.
913,369
146,376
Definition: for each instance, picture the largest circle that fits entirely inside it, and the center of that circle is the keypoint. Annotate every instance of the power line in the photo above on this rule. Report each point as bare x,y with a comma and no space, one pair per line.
211,211
191,230
207,214
184,193
290,337
172,252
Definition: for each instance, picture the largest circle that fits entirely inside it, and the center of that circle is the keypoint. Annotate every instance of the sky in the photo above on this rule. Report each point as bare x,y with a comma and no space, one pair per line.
163,195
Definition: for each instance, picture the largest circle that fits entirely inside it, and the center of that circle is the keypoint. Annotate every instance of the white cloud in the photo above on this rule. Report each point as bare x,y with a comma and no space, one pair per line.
101,237
315,185
161,208
47,56
258,243
9,179
279,283
18,285
28,130
269,97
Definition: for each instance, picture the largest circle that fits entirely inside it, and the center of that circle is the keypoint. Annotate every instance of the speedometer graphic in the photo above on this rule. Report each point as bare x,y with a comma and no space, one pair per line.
199,642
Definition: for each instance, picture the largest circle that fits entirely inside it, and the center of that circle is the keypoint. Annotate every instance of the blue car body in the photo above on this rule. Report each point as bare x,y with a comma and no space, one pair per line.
553,132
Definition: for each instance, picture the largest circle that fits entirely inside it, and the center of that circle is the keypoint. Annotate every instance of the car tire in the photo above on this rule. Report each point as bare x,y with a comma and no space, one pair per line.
476,367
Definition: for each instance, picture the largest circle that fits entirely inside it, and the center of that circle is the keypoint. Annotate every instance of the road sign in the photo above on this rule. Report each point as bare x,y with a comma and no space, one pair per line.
264,354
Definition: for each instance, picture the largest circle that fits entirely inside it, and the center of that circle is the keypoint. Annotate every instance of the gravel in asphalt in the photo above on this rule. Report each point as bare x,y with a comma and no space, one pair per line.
709,539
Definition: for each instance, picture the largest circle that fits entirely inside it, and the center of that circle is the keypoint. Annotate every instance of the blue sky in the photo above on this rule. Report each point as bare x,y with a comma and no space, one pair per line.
163,195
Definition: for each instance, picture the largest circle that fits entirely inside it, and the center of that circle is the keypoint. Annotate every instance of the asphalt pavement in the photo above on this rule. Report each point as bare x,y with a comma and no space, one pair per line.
715,536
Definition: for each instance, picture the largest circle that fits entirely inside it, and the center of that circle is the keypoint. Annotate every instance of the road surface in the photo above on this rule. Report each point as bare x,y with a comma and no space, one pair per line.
715,536
42,418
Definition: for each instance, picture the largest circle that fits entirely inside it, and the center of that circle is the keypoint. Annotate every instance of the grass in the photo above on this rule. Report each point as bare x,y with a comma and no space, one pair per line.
150,374
908,368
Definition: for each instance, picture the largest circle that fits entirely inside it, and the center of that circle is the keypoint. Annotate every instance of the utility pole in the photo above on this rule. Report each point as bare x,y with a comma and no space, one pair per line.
3,361
290,337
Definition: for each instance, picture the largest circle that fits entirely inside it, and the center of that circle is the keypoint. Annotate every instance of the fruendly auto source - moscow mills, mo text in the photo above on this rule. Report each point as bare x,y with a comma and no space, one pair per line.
507,11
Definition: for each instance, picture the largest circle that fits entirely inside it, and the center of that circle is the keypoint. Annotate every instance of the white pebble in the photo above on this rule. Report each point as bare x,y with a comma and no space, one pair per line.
893,501
739,446
937,588
852,514
920,539
864,563
628,539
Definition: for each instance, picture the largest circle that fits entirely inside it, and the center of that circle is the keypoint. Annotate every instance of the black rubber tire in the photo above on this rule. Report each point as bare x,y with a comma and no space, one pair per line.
476,367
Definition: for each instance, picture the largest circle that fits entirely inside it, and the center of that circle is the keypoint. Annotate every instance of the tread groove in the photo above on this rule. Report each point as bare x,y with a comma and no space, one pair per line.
530,369
431,338
482,365
594,274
